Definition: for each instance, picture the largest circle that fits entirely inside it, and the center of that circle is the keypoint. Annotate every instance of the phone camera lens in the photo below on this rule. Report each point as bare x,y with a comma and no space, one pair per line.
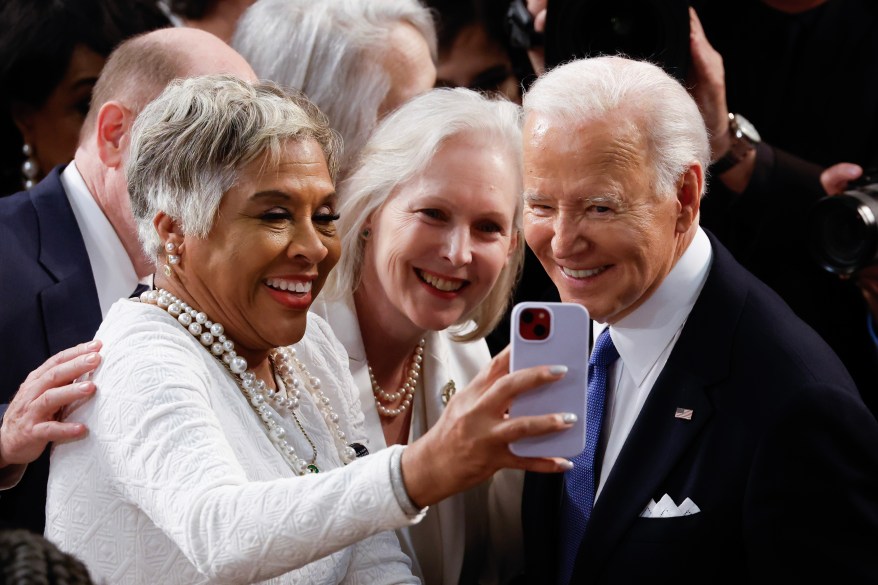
540,331
527,316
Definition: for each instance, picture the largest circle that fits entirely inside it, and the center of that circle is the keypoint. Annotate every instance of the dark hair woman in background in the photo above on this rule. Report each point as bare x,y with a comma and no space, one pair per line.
51,53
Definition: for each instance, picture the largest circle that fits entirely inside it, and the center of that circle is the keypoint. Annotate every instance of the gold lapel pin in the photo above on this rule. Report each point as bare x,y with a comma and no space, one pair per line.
448,390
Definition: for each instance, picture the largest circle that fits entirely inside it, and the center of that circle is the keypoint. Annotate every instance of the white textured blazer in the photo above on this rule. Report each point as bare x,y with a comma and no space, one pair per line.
177,481
463,533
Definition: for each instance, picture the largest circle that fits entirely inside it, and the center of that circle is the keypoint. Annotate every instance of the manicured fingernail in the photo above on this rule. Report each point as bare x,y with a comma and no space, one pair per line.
568,465
569,418
92,345
91,358
84,387
557,370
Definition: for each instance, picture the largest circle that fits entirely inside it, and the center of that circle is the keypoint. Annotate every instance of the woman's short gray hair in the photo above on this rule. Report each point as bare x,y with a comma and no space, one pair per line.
589,89
399,150
331,50
189,144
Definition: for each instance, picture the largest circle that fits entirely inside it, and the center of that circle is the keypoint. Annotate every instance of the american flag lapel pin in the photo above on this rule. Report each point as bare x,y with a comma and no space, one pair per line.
684,413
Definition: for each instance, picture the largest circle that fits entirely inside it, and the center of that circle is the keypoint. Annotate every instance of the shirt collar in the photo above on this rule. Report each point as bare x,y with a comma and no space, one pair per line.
112,269
643,335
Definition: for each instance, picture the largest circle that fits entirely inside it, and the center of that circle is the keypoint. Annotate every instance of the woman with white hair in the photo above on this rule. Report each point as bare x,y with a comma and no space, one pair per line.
356,59
217,452
431,247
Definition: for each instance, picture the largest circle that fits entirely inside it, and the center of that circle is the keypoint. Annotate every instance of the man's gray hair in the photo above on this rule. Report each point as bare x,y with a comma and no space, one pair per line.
190,143
402,148
333,51
590,89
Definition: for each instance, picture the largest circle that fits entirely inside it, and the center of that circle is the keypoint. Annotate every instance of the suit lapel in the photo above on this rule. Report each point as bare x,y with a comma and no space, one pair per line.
451,510
71,311
658,439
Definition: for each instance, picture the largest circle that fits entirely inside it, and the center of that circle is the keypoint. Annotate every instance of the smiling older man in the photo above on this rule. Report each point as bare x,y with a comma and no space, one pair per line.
733,446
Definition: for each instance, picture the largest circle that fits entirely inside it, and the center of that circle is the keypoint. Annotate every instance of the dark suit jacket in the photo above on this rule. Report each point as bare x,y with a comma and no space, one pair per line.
48,302
781,457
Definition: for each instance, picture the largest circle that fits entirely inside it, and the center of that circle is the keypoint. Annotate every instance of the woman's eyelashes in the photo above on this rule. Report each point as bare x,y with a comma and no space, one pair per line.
276,214
490,227
324,215
433,213
484,226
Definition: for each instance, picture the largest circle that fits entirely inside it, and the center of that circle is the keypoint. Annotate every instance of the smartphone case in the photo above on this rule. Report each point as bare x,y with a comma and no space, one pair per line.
567,344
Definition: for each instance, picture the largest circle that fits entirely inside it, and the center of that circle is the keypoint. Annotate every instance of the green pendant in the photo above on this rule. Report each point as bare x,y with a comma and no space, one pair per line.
313,468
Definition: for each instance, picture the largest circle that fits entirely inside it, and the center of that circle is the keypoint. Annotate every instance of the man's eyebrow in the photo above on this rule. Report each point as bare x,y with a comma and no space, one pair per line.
602,199
531,195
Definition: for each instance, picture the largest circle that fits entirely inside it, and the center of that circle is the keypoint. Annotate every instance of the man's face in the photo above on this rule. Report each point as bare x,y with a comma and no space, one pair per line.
592,215
207,55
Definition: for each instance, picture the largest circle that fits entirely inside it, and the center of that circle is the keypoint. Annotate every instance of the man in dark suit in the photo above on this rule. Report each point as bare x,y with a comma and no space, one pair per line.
729,443
70,247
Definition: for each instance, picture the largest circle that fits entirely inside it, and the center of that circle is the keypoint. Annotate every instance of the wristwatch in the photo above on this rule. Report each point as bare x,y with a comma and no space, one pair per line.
744,139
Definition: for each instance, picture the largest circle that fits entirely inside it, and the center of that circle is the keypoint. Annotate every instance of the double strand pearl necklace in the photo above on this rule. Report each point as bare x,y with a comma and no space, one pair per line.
292,372
406,391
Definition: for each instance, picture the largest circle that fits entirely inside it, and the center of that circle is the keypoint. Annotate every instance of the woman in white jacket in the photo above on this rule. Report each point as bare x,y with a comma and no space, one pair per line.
432,245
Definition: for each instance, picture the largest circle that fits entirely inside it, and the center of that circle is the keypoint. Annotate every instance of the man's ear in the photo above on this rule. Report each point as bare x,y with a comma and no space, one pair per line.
114,123
689,190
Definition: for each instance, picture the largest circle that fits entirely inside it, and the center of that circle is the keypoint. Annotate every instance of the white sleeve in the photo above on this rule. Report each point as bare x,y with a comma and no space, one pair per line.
168,454
378,560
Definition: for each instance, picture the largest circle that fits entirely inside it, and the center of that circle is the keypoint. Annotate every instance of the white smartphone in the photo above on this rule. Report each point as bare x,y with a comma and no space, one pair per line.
551,334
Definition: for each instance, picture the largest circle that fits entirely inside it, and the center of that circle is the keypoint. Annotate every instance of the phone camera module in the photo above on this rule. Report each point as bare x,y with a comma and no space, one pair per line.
534,325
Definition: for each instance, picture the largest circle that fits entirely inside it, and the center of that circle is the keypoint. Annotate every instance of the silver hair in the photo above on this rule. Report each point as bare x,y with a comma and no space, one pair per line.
190,143
589,89
332,51
401,148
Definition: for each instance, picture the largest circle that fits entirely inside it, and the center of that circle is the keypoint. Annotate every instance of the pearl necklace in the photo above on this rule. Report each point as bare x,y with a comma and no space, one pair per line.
292,372
406,391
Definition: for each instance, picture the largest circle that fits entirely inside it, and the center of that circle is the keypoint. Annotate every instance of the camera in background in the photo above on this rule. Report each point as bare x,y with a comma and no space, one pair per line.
843,230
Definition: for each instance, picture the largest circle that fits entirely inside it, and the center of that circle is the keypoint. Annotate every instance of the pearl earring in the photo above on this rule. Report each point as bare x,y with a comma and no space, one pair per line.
171,248
29,168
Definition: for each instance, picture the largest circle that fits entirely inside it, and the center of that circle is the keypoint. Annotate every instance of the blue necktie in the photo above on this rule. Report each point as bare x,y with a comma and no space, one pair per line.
580,482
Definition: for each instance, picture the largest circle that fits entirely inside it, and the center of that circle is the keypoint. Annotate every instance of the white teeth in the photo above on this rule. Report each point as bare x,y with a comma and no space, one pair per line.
582,273
290,285
440,283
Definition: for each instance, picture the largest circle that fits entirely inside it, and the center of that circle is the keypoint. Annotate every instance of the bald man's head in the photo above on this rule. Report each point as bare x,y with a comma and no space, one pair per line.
140,68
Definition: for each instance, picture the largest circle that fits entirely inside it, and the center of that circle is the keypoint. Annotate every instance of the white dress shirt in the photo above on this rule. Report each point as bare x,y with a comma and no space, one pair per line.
645,339
113,271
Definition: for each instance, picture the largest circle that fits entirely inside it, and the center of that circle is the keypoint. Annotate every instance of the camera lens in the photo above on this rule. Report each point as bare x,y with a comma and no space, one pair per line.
844,230
540,331
527,316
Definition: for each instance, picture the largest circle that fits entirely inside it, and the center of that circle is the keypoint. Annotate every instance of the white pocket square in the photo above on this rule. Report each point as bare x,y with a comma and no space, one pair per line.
666,508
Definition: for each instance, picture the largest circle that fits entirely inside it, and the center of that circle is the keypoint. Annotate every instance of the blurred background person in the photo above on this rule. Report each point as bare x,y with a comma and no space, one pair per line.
474,49
356,60
218,17
431,248
214,445
51,53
